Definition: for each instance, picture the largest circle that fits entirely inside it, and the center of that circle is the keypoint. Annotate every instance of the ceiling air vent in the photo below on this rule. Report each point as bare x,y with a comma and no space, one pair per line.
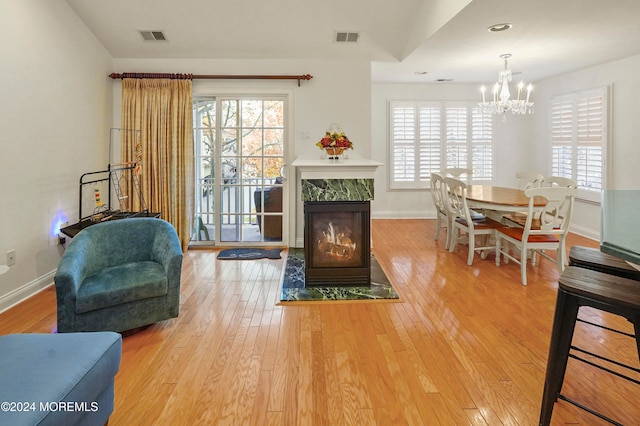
347,37
153,35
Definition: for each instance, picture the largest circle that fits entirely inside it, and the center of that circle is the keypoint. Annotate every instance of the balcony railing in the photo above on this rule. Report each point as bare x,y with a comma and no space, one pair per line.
236,200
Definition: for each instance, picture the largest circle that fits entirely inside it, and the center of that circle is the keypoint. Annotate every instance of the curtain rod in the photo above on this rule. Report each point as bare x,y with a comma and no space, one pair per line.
115,76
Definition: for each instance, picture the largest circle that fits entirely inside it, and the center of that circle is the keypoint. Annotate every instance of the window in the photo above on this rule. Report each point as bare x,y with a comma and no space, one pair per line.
427,137
579,139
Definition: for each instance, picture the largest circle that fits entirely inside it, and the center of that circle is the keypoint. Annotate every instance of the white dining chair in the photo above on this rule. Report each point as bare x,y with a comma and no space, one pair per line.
528,180
559,181
438,188
549,233
462,220
457,173
562,182
525,180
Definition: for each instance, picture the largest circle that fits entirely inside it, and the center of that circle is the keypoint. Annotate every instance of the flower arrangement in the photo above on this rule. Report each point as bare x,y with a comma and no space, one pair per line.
335,140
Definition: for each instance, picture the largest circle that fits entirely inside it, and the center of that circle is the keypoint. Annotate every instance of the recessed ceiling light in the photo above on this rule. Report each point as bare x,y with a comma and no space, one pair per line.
443,80
420,72
496,28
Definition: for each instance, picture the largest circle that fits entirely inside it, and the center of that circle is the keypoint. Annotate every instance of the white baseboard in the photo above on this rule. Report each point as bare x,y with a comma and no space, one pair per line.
20,294
585,232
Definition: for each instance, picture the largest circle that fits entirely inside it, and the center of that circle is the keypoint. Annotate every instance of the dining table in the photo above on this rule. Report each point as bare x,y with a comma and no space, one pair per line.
499,198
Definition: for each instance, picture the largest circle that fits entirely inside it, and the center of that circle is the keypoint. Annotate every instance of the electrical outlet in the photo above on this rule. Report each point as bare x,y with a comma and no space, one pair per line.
11,257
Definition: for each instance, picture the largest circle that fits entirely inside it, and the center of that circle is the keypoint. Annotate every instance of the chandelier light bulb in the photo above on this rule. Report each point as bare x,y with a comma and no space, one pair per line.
520,86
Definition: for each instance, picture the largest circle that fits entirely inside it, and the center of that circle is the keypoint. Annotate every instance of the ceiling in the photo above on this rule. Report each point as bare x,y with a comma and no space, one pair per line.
446,39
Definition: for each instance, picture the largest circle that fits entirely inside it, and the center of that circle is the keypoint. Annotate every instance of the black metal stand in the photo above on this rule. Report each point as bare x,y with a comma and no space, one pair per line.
110,175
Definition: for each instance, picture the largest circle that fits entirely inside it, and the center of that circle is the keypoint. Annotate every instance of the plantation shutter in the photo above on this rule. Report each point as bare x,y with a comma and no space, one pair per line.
590,136
430,136
562,139
481,145
403,144
578,139
457,136
426,137
415,144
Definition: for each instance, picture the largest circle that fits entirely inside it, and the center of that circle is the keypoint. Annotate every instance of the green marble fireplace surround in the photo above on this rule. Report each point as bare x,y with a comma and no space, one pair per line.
322,180
337,189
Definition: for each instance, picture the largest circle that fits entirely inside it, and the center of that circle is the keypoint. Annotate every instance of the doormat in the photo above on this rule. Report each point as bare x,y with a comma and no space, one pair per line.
249,254
293,289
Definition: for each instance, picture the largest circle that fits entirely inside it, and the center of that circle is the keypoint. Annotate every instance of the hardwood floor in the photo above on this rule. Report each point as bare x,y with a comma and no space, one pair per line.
465,345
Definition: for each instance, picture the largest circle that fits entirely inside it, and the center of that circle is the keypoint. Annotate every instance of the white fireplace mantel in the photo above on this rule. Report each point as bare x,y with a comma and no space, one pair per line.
352,168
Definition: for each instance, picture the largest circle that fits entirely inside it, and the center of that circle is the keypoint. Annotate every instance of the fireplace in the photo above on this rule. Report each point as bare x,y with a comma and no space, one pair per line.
336,228
337,243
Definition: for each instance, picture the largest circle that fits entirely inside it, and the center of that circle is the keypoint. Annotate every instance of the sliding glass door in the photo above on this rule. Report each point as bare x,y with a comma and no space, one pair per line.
240,154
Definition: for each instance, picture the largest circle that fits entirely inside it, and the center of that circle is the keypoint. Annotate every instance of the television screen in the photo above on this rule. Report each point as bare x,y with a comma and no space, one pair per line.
620,234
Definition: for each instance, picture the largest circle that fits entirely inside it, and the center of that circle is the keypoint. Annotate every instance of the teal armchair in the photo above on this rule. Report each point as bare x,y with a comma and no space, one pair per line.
119,275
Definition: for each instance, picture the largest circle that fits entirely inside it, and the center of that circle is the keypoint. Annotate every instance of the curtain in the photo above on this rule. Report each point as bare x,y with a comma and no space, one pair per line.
157,121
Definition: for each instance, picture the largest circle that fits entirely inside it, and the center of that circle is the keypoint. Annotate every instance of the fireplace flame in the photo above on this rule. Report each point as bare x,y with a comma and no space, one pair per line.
337,244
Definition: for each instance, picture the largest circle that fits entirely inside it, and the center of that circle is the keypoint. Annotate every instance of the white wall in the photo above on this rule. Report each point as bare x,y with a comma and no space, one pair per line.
55,117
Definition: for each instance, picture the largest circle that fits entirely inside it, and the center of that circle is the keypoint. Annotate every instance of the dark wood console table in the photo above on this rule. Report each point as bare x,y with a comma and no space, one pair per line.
72,230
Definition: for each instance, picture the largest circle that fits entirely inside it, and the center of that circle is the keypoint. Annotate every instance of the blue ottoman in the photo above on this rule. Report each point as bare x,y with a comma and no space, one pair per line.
58,379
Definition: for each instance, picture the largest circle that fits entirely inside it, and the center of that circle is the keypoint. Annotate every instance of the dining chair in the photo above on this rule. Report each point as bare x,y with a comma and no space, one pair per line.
438,188
463,219
526,180
457,173
559,181
519,218
549,234
563,182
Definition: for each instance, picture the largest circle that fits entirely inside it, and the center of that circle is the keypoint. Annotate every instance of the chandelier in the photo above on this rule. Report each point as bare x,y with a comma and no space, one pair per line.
501,101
